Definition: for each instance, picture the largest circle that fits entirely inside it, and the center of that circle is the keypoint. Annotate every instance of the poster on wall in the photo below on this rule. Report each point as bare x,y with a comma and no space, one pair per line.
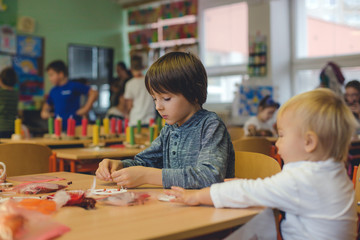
7,39
250,96
25,65
5,61
29,46
30,85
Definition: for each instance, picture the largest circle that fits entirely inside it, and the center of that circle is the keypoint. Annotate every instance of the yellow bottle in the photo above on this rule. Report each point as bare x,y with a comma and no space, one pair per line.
18,126
128,135
95,135
106,124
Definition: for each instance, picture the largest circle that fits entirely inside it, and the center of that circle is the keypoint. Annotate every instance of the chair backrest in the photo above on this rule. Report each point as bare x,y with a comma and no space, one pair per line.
254,165
253,144
25,158
357,189
236,133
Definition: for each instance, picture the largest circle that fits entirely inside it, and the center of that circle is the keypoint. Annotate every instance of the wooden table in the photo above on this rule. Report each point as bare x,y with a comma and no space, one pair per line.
153,220
49,142
87,159
62,143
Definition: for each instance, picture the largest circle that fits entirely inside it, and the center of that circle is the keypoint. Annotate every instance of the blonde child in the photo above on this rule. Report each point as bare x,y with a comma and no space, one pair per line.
193,149
313,188
260,125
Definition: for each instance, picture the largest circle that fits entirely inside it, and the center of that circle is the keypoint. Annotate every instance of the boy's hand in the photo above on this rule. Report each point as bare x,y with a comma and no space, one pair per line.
106,168
82,111
184,196
46,114
130,177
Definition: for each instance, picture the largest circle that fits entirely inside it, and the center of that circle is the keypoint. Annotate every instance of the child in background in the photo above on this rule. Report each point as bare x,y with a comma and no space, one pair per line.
64,97
139,104
117,84
9,99
194,148
260,125
313,188
352,97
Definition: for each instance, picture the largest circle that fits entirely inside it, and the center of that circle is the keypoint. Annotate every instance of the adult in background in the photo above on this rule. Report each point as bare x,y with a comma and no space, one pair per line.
117,85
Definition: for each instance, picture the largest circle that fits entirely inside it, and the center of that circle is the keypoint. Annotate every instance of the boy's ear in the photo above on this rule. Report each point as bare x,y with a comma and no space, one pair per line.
311,141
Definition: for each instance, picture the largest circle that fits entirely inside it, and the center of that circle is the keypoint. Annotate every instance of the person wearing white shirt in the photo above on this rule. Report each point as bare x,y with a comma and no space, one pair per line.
313,188
139,103
261,124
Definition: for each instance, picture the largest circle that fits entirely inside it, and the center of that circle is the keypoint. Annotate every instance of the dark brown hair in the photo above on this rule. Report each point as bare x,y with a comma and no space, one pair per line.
267,101
178,73
58,66
8,76
354,84
136,63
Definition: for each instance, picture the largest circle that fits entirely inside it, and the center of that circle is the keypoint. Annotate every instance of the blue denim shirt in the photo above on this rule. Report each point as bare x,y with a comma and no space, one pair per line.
194,155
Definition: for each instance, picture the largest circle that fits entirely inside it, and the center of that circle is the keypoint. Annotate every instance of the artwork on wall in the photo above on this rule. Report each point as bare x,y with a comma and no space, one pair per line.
7,39
25,65
29,46
5,61
31,85
28,63
250,96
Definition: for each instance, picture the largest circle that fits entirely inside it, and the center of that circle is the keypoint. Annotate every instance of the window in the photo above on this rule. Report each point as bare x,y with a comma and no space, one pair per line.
307,80
327,28
223,46
222,89
225,27
324,31
94,66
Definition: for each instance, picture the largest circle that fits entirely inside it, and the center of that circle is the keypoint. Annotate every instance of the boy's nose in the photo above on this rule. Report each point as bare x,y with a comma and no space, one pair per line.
158,106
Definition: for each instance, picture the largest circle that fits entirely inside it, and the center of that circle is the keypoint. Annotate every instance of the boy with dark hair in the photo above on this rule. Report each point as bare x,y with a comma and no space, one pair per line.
9,99
64,97
194,148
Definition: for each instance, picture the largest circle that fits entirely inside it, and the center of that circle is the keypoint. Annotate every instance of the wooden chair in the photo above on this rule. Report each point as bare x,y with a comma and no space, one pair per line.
356,181
236,133
25,158
253,144
252,165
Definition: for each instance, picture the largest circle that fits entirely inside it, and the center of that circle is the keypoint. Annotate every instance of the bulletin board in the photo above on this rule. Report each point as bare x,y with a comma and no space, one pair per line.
28,64
250,96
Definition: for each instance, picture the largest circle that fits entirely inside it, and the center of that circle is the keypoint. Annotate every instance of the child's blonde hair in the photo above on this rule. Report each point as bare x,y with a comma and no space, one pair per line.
326,114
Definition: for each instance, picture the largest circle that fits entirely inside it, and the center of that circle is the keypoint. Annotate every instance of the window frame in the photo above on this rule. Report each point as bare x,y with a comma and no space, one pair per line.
311,63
